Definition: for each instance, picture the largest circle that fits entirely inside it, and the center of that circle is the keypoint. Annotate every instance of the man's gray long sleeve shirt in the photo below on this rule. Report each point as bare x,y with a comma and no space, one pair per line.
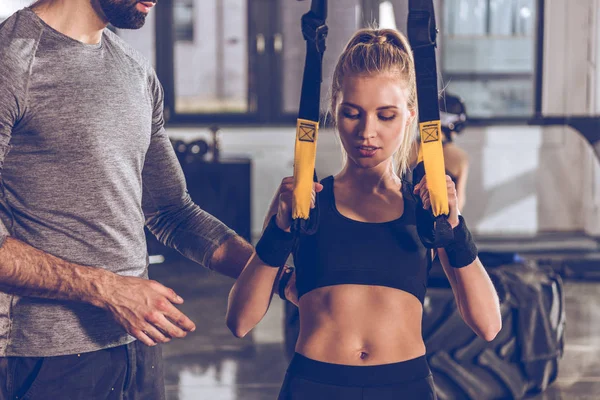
85,164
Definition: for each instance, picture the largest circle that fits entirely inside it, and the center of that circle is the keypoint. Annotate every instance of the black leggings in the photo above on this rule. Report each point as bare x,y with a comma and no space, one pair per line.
308,379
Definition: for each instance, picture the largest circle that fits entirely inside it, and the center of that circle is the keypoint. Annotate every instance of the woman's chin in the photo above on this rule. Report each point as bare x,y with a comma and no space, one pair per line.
367,163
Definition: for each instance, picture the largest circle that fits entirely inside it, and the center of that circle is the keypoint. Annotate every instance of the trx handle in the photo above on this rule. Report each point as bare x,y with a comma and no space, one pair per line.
434,230
314,32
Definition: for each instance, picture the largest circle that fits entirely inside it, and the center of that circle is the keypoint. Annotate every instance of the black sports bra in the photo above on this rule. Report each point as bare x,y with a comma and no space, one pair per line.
345,251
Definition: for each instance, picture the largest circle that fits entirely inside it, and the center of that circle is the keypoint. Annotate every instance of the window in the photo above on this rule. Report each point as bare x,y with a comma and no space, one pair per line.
343,19
183,16
486,53
240,61
211,66
488,50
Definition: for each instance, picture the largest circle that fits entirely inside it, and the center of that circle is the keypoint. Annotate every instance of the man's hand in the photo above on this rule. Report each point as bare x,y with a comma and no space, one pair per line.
286,275
145,309
291,292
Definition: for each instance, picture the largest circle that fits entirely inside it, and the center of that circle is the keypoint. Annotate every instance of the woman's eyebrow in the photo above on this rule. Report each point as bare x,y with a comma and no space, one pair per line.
345,103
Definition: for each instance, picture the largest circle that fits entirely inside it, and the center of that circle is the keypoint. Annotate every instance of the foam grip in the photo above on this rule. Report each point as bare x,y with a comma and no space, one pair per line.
434,231
305,153
432,154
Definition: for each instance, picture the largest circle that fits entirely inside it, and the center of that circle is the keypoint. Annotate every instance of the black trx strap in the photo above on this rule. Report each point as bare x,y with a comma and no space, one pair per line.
314,31
434,229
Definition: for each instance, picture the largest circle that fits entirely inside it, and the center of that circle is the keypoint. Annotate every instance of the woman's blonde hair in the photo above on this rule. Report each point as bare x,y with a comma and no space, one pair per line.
373,51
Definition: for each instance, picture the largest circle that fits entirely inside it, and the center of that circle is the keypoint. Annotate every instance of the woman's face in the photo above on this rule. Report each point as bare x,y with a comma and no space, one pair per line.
372,115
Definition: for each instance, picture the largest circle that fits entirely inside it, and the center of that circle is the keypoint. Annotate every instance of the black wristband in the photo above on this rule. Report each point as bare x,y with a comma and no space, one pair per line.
275,245
462,250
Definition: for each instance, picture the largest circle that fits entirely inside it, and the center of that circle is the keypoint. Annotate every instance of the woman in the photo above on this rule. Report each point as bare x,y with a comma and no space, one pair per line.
361,278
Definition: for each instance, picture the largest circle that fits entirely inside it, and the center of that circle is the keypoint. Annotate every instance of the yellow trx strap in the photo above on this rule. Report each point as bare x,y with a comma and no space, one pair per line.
305,154
431,154
314,31
422,34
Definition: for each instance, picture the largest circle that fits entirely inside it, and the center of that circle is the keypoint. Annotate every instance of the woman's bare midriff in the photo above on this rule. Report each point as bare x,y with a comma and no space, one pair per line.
360,325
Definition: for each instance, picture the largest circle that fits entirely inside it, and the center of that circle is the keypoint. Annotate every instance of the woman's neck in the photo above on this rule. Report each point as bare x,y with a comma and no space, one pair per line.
369,180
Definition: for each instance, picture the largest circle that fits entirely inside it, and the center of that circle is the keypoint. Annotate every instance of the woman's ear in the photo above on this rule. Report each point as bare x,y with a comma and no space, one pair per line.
411,116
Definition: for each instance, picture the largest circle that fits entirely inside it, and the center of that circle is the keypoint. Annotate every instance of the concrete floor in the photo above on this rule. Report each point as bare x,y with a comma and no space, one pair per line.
212,364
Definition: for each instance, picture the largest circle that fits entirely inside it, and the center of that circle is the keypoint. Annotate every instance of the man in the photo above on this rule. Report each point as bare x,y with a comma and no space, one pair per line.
85,164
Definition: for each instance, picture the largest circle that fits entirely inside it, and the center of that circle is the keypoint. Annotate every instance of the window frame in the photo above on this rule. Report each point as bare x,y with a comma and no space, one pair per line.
265,88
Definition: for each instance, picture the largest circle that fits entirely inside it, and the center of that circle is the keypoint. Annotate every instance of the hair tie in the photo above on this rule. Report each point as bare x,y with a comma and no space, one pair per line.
382,39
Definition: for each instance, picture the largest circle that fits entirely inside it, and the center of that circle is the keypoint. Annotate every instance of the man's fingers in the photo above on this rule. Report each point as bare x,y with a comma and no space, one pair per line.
142,337
167,292
181,320
168,327
154,334
172,296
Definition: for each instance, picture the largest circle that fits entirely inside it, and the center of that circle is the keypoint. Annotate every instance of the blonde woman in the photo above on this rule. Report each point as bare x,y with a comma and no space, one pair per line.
361,279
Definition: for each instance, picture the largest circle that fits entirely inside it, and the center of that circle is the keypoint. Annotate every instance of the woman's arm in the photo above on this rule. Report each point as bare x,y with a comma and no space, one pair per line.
250,296
252,292
475,296
473,290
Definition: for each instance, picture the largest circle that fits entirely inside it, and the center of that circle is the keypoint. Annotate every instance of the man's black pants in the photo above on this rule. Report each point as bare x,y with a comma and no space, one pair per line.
130,372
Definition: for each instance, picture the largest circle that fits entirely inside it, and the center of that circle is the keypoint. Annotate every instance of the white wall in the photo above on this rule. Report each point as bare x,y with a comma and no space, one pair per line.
571,174
511,189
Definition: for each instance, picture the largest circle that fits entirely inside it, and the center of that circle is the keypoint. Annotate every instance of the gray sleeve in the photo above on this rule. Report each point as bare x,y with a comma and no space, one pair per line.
13,83
170,213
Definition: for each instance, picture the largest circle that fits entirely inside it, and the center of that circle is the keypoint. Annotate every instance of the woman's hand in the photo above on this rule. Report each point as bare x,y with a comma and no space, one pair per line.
284,208
423,192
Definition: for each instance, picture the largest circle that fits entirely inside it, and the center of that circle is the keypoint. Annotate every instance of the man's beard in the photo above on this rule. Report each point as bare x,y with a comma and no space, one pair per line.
122,14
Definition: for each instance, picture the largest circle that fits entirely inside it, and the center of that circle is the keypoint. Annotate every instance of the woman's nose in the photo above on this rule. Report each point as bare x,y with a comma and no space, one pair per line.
368,128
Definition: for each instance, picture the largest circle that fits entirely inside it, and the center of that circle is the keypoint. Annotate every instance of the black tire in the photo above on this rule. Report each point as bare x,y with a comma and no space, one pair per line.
465,366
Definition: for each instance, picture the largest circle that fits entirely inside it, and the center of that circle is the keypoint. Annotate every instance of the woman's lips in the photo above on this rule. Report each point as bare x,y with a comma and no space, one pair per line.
367,151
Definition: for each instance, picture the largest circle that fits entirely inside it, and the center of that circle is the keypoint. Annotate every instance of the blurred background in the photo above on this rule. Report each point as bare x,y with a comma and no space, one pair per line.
524,70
